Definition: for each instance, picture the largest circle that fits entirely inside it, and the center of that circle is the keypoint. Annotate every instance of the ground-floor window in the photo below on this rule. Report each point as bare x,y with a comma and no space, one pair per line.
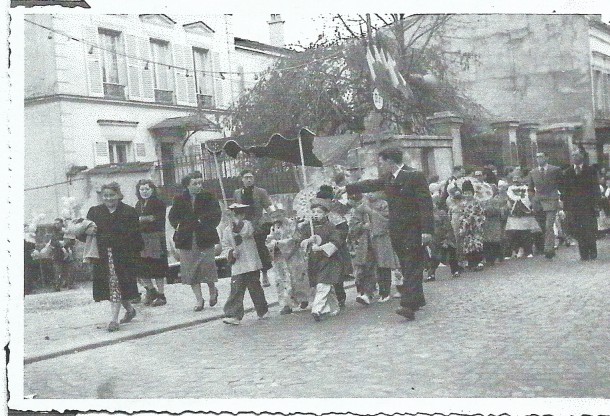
119,151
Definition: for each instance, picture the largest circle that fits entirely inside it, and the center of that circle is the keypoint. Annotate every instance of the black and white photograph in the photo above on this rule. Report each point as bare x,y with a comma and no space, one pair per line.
335,204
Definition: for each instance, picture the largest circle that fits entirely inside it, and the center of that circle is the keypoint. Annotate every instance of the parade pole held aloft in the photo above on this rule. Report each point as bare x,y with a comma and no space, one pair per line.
222,189
304,177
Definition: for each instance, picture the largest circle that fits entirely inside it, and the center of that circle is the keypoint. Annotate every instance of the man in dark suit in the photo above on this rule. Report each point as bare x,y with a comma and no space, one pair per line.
580,196
544,181
411,221
258,199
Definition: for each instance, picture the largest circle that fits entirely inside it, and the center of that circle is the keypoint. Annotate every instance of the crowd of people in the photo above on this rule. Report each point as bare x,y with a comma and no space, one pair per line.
396,229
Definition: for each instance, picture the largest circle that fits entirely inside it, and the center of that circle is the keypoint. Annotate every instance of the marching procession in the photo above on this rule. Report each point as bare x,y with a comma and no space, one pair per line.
396,230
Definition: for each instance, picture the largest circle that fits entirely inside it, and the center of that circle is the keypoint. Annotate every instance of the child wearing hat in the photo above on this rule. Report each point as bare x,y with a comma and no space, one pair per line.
323,263
239,246
288,263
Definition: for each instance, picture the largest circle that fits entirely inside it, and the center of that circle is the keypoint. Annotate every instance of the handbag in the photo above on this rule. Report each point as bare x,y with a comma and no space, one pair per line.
180,237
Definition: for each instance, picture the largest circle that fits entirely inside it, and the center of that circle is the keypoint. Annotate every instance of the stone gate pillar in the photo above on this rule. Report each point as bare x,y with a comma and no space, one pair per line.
507,132
448,124
530,130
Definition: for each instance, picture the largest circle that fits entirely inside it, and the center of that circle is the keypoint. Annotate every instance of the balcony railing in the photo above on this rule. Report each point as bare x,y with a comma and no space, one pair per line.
114,91
165,97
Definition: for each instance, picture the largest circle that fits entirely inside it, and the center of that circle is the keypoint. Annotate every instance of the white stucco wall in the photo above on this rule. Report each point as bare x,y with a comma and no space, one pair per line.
44,160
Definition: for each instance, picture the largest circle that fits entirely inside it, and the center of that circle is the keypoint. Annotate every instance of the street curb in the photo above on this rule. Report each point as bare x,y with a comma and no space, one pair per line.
100,344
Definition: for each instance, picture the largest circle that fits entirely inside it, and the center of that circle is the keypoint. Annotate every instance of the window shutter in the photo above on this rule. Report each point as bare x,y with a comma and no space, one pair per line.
140,150
102,156
134,67
148,86
93,62
180,74
191,92
218,81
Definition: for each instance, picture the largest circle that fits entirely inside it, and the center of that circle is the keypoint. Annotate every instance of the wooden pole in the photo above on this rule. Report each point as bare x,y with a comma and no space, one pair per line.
304,178
224,194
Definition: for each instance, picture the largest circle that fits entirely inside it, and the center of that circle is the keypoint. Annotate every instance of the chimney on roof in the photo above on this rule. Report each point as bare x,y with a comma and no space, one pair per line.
276,31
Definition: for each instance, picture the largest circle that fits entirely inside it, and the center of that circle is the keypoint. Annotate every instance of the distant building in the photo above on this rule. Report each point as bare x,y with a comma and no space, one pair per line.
544,78
112,95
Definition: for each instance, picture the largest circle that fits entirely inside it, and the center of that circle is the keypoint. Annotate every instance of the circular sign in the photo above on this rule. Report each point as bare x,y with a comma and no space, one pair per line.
377,99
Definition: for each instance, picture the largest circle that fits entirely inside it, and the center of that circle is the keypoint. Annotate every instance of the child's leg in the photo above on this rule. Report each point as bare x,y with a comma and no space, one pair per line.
282,283
528,242
384,280
366,280
452,260
433,265
234,308
340,292
257,294
325,300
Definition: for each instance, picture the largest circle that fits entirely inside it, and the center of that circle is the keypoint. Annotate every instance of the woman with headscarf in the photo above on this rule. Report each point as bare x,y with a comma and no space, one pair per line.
195,215
154,264
119,243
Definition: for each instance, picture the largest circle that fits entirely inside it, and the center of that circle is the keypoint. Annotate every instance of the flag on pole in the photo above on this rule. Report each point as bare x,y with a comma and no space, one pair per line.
384,70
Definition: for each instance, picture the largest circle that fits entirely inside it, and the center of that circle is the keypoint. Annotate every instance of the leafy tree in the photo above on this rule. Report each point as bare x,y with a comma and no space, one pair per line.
328,88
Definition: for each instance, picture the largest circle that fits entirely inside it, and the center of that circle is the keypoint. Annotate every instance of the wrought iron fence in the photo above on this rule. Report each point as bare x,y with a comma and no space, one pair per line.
275,176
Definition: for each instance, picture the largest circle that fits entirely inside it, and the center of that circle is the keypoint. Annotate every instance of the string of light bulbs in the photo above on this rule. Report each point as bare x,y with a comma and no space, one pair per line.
221,74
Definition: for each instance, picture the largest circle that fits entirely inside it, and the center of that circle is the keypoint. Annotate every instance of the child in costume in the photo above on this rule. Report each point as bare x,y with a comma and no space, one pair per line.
443,245
288,263
323,263
373,255
240,248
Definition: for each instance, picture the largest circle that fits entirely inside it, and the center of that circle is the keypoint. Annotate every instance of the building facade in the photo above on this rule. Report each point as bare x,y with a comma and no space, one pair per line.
545,80
107,96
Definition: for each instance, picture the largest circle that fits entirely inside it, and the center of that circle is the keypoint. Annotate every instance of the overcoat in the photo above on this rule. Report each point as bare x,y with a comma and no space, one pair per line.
320,267
198,219
581,197
154,255
248,259
495,219
376,240
409,205
580,193
120,232
544,185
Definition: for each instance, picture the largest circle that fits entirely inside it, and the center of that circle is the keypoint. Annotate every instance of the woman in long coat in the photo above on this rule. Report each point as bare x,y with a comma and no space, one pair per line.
154,264
195,215
119,244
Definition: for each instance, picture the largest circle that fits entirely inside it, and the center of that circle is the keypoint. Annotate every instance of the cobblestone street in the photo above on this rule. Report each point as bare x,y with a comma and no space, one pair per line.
524,328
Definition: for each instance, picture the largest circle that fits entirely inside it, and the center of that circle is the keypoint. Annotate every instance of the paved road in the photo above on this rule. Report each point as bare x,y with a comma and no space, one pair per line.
525,328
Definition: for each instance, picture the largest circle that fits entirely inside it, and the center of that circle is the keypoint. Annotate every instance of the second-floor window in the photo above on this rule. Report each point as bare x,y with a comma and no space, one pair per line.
203,76
162,70
110,43
601,89
118,152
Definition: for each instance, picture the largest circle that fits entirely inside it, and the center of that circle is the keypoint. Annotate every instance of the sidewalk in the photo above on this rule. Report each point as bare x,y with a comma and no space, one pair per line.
62,323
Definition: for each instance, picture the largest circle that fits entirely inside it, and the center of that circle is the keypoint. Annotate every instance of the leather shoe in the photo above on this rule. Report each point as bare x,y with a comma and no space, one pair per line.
406,313
129,315
549,255
214,298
